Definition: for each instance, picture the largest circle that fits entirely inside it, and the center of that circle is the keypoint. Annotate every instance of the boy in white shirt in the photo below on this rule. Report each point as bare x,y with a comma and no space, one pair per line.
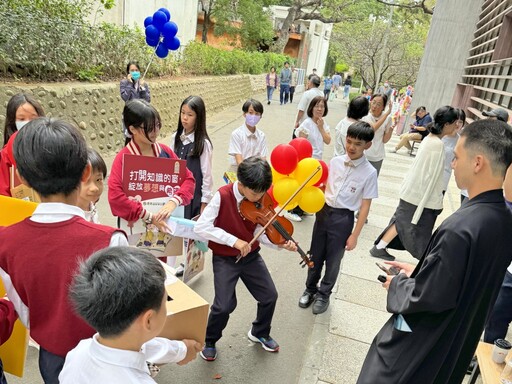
247,140
120,292
351,186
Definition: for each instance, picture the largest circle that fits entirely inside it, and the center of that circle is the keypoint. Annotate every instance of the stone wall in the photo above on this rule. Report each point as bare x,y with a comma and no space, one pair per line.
96,108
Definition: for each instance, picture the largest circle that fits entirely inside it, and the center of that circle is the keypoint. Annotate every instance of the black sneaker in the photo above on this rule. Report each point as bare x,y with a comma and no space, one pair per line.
381,254
209,352
268,343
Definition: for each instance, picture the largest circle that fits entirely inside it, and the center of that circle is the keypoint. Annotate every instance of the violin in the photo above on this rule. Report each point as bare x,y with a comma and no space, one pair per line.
279,230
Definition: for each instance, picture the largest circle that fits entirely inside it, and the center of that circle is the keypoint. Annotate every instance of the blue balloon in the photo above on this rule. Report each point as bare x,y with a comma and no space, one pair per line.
152,32
147,21
159,19
170,30
167,13
151,42
172,44
162,51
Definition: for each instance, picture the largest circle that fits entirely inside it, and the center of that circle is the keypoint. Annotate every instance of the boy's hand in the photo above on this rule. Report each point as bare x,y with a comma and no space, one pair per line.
289,246
193,348
243,247
351,242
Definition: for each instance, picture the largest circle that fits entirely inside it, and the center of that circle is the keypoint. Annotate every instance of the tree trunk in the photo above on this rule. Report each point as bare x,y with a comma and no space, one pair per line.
284,33
206,26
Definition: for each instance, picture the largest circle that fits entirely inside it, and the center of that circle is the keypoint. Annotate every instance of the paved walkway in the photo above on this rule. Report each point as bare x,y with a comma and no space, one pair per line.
327,348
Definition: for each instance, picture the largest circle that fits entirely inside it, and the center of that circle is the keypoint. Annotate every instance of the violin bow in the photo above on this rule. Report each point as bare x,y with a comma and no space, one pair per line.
262,230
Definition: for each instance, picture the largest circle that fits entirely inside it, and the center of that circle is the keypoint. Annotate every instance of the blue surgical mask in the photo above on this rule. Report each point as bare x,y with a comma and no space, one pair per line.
135,75
21,124
252,120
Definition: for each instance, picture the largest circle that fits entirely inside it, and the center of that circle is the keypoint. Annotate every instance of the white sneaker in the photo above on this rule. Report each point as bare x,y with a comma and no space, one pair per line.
393,150
292,216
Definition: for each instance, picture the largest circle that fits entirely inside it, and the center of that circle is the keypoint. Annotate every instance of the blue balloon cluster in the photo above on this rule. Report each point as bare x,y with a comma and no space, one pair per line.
161,32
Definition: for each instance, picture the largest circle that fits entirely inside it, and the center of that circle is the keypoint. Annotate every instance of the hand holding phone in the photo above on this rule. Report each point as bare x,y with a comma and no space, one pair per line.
390,271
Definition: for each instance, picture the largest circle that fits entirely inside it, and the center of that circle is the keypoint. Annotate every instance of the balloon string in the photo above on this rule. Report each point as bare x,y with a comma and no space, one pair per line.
151,59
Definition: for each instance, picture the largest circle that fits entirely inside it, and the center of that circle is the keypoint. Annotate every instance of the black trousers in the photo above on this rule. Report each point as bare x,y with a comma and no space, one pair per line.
256,277
332,228
50,366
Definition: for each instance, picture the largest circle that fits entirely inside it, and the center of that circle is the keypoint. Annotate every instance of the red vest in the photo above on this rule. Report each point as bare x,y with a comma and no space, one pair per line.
229,219
41,259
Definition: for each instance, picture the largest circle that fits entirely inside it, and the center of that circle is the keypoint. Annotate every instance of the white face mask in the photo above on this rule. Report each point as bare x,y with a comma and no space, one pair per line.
21,124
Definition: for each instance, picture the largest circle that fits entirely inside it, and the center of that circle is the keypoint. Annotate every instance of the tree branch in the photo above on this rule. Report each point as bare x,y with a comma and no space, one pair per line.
421,5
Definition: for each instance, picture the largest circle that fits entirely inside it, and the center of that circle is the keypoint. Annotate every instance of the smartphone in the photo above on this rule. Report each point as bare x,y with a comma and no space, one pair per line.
390,271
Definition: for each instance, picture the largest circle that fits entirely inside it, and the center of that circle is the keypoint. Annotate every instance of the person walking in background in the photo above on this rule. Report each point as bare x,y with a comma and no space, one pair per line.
327,87
386,90
133,87
293,83
285,77
439,308
421,193
310,94
272,82
346,87
336,82
418,130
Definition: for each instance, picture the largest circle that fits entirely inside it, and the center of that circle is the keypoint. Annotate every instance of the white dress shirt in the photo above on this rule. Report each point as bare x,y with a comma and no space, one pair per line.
377,151
347,185
92,362
314,136
246,143
205,227
340,136
206,165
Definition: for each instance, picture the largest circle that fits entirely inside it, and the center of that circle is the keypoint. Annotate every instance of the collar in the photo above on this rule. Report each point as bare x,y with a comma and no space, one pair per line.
357,162
248,133
134,149
238,196
186,139
55,212
119,357
492,196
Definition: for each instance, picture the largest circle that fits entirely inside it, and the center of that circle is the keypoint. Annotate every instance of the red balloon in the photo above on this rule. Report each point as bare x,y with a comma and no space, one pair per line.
325,173
271,194
303,147
284,159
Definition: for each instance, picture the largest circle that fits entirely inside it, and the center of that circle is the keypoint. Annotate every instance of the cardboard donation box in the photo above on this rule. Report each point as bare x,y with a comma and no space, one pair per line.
187,312
21,191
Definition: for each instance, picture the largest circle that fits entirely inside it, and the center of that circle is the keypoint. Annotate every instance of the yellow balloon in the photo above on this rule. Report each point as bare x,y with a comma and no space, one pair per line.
305,168
312,200
283,189
276,175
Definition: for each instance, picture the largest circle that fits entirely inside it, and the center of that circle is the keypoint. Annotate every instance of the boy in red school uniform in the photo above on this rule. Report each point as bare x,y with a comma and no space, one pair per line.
39,255
229,236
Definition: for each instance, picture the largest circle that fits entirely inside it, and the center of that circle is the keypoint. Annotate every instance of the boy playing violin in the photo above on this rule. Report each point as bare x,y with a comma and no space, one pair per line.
229,236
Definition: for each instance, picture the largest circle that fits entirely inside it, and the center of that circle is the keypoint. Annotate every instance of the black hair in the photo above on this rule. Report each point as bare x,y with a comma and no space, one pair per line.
196,104
139,112
422,108
314,102
255,174
273,68
96,161
444,115
258,107
115,286
286,62
461,115
361,130
358,108
130,64
384,98
12,107
51,156
494,139
315,80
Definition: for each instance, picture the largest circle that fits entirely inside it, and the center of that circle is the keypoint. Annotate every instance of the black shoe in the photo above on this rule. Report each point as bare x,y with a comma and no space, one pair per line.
472,366
381,254
306,299
320,305
268,102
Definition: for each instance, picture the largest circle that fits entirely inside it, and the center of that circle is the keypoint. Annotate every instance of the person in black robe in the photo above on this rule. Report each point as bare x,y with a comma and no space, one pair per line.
440,306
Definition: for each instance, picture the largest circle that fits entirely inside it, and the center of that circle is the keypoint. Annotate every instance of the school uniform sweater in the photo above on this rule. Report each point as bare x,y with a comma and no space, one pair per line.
37,263
229,219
